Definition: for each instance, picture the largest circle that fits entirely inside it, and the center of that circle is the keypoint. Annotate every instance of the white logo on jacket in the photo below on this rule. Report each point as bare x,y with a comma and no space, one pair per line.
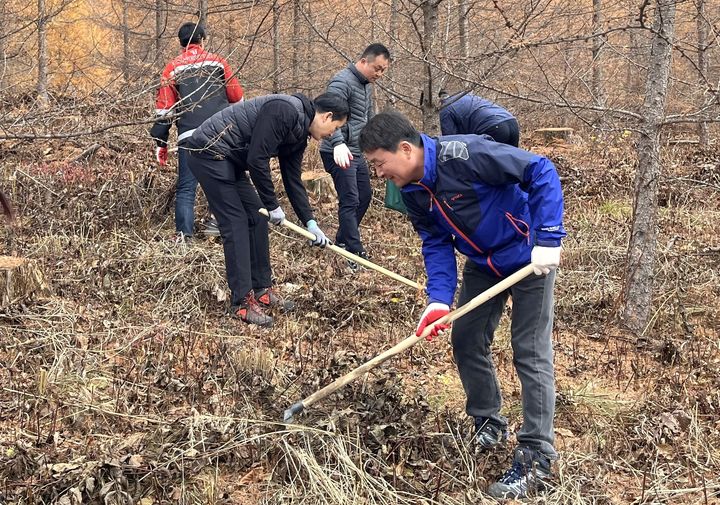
453,149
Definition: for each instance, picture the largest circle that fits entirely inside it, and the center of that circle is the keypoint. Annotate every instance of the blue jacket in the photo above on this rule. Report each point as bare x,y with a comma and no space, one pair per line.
471,114
490,201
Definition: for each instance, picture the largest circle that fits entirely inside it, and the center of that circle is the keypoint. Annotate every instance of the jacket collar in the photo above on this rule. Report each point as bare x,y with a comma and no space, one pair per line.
360,77
308,107
429,177
196,48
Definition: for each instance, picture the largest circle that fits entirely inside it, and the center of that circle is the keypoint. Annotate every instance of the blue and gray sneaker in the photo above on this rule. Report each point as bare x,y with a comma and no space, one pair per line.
529,474
489,435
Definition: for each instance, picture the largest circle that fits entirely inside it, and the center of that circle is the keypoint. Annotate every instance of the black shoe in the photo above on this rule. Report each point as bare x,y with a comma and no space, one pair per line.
210,228
489,435
269,298
529,474
249,311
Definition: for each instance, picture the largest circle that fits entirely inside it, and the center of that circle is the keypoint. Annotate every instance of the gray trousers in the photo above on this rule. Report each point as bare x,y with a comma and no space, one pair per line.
531,338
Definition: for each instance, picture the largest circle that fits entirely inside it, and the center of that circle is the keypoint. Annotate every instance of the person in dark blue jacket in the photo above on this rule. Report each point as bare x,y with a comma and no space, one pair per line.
502,207
467,113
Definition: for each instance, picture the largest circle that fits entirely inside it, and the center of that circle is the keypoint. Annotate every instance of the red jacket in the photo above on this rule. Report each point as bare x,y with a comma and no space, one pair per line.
193,86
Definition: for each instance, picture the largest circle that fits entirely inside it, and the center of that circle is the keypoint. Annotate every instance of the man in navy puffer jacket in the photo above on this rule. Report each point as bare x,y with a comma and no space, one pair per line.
468,113
502,208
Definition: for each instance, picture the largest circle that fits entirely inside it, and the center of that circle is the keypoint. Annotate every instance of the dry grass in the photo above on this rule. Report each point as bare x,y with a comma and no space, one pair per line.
129,384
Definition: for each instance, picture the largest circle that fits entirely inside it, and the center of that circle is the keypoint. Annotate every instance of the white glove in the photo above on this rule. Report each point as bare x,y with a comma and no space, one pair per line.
277,216
545,259
342,155
320,239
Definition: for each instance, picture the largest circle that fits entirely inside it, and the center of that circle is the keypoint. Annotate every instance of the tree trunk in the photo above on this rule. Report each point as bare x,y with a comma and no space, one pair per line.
3,57
464,9
203,13
276,47
297,16
158,30
598,86
42,81
643,239
431,121
702,41
126,41
390,77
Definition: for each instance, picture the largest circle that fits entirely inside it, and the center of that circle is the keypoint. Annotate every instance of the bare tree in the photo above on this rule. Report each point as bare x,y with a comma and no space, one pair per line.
703,65
463,12
276,48
42,79
599,40
296,42
203,12
126,41
642,249
430,119
159,29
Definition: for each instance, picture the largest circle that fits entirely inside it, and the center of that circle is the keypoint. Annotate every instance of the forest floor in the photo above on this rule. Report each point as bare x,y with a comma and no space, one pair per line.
126,382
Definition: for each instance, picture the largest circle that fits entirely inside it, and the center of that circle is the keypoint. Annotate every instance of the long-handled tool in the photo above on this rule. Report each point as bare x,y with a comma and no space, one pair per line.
352,257
408,342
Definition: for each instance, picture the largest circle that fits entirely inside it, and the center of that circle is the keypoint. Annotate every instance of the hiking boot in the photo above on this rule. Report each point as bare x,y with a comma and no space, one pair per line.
353,266
249,311
489,435
269,298
210,228
528,474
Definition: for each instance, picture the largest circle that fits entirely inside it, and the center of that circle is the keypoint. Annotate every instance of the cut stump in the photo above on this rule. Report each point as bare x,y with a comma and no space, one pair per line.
319,184
19,279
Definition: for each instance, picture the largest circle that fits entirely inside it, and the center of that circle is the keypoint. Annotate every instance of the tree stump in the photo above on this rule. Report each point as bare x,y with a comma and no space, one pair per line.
319,184
19,278
550,135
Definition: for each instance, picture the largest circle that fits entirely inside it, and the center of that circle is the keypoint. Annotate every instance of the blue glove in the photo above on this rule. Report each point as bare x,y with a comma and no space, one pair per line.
320,239
277,216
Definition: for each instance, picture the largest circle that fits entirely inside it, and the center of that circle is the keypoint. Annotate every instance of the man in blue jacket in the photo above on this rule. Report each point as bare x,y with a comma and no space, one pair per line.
467,113
502,207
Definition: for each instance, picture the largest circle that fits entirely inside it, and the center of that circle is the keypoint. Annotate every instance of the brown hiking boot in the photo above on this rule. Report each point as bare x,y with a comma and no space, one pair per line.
251,312
269,298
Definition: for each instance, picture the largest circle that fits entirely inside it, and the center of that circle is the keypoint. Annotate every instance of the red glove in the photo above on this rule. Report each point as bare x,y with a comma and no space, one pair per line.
161,155
432,313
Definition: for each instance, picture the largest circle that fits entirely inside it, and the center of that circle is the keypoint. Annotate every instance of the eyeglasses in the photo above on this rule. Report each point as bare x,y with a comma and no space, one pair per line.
374,165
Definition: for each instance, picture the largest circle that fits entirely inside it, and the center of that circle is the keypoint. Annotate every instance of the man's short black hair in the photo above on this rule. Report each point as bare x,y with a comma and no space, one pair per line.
374,50
331,102
191,33
386,130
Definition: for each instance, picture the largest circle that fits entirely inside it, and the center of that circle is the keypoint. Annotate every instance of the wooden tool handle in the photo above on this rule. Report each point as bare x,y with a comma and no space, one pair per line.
352,257
413,339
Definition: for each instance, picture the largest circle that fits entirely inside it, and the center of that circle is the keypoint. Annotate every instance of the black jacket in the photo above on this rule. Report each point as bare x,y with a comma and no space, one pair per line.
249,133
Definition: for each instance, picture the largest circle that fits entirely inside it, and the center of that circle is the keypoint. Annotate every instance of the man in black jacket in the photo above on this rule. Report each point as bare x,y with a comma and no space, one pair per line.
240,139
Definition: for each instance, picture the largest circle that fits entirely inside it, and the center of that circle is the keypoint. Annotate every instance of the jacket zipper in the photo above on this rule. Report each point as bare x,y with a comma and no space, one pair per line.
457,230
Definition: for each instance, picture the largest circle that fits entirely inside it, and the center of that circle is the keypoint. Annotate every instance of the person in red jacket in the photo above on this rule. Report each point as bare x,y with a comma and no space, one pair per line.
193,86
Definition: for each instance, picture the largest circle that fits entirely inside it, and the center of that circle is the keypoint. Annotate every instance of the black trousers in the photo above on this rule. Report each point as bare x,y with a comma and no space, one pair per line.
354,194
507,132
244,231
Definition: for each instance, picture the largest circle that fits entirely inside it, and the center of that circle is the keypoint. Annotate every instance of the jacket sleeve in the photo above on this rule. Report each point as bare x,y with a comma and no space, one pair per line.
167,97
339,87
438,252
273,123
447,125
233,89
291,171
538,177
